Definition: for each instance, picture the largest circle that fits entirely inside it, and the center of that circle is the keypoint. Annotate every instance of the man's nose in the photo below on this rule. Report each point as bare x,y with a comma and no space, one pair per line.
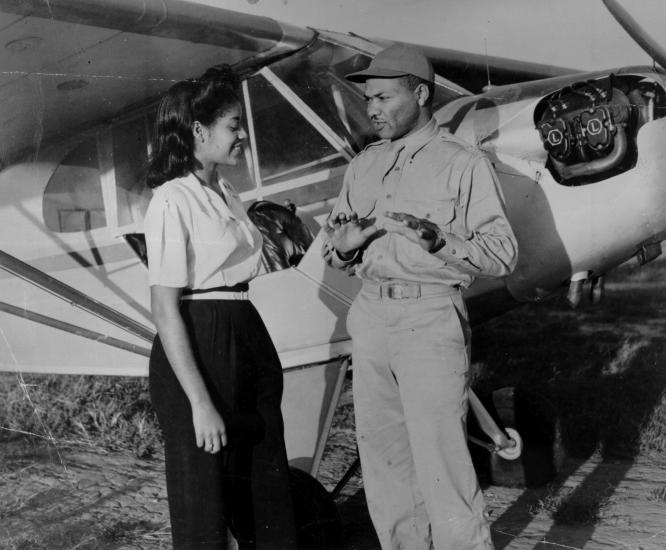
371,108
242,134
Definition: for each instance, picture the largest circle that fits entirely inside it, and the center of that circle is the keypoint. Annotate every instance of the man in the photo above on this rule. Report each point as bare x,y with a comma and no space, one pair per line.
419,217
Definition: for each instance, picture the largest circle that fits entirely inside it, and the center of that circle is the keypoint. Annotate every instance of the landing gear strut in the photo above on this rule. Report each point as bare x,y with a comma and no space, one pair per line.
506,443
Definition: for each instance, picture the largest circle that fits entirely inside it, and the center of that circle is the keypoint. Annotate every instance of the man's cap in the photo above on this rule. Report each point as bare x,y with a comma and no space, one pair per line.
394,61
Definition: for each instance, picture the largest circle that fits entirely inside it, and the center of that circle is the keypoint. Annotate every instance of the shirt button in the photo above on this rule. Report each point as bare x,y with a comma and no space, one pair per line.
397,168
428,215
453,251
388,195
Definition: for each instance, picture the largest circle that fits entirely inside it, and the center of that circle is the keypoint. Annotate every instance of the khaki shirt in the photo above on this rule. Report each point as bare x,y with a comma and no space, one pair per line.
432,175
197,239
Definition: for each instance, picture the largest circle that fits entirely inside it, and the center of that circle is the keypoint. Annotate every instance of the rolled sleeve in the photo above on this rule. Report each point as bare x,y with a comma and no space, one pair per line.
485,244
166,244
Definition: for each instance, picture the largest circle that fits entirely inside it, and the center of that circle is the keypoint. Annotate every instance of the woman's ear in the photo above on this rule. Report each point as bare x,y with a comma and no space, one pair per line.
199,132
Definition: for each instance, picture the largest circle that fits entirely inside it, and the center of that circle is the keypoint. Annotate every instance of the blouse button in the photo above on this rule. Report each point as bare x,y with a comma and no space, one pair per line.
388,195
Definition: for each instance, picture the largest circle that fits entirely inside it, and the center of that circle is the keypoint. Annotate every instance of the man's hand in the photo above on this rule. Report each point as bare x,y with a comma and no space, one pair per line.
348,233
422,232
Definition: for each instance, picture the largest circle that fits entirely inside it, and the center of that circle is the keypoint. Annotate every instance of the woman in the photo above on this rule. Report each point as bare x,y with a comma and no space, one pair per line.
215,377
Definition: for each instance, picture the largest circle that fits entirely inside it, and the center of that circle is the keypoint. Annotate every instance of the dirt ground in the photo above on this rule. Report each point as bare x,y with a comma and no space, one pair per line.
57,497
87,499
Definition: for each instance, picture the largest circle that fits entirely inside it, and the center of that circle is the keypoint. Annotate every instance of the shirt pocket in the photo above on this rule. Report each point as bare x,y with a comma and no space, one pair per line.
363,200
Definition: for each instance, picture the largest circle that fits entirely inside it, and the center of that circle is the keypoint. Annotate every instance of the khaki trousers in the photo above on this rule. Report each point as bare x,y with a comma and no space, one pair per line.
410,360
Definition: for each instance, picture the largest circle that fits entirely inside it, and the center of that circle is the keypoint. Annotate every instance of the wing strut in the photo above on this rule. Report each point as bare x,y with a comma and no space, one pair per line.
643,39
65,292
73,329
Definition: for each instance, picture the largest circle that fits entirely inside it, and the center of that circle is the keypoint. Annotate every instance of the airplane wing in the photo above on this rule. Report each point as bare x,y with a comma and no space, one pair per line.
70,64
475,72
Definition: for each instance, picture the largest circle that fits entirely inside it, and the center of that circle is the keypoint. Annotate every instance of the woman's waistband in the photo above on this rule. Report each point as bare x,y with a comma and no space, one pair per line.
236,292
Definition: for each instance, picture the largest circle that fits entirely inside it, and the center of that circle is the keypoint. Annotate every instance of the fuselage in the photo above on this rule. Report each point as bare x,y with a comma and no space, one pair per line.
582,197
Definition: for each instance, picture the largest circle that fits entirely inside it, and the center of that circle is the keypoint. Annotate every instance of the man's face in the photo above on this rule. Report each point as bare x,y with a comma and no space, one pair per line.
392,107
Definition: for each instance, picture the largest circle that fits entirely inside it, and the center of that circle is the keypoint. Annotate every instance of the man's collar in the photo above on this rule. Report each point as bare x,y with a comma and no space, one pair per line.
414,142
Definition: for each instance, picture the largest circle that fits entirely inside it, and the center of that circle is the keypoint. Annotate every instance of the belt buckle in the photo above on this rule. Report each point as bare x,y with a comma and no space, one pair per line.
401,291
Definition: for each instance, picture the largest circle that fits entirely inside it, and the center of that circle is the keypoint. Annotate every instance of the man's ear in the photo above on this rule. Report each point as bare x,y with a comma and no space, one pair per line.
422,94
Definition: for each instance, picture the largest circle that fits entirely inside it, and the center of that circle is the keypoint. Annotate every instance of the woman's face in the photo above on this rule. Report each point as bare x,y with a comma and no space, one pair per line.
223,139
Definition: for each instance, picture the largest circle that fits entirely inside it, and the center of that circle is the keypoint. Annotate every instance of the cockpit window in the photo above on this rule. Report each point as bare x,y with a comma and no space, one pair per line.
73,198
287,144
130,158
317,76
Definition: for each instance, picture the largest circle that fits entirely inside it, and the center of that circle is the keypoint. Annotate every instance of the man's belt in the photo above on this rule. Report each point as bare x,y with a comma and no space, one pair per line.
407,290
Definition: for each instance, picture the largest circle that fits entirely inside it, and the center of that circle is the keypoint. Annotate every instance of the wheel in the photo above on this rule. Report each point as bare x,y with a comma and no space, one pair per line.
531,419
512,453
318,522
597,290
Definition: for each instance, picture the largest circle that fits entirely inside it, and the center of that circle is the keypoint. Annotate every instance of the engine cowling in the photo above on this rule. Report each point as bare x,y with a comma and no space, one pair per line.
587,129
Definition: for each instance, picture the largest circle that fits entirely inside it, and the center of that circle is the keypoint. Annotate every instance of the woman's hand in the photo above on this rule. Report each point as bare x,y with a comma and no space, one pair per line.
209,428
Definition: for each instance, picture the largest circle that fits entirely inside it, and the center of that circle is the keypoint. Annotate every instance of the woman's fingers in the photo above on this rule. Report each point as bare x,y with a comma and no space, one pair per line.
212,443
213,446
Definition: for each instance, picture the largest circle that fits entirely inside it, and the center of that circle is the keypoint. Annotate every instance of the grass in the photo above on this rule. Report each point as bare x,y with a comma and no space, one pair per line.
109,413
570,507
30,542
658,494
125,534
598,370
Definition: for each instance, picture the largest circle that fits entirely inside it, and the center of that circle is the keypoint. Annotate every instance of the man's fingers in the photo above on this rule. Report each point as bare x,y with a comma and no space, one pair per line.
369,231
397,216
400,216
426,233
407,219
399,228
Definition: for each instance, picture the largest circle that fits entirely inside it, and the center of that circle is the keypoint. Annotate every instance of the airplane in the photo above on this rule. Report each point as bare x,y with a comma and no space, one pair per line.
578,156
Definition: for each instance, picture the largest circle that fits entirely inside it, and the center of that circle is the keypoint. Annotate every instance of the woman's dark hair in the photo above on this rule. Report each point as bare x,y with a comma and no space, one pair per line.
204,100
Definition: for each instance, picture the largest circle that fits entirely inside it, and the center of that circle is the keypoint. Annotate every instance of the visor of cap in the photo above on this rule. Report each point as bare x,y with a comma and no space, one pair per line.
362,76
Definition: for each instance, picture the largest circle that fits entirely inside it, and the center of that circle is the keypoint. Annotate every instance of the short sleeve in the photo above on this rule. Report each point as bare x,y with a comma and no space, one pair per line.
166,243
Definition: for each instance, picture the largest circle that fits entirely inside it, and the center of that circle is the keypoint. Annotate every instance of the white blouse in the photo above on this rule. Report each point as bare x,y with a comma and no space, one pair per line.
195,239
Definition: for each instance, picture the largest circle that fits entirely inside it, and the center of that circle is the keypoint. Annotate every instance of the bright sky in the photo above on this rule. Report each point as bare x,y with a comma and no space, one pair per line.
579,34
